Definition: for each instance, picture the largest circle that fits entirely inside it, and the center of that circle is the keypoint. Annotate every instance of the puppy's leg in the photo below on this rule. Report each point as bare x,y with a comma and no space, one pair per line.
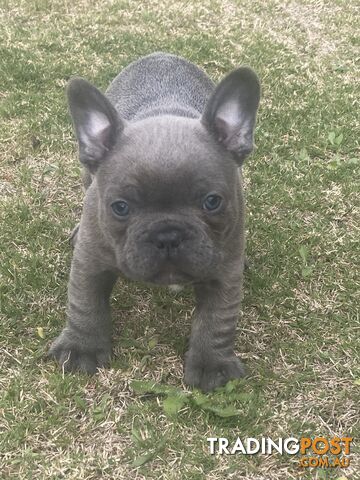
210,361
85,342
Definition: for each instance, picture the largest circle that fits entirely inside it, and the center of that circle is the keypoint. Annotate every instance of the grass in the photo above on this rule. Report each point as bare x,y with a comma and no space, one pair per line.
299,326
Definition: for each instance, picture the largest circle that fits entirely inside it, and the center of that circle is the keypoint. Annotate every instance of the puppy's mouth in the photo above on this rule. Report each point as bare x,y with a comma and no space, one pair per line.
169,274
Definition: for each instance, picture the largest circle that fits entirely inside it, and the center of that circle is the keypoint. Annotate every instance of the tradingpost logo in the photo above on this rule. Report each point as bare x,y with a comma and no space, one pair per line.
314,452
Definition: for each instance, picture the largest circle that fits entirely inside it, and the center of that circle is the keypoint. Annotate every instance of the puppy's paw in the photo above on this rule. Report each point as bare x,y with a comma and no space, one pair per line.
209,375
75,356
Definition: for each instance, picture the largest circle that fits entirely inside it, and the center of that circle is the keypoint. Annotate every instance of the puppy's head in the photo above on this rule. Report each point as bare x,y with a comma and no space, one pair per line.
167,187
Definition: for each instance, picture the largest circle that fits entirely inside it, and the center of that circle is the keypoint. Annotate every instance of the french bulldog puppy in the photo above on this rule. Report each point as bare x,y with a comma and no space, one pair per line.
164,205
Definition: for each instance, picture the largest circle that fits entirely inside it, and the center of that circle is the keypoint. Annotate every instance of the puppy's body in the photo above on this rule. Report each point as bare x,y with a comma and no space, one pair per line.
160,84
165,205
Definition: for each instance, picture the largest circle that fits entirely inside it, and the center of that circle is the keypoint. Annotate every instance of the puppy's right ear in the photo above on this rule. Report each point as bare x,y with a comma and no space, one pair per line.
97,124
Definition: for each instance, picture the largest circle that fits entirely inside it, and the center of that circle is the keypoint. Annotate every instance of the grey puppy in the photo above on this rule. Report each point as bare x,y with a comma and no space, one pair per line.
164,205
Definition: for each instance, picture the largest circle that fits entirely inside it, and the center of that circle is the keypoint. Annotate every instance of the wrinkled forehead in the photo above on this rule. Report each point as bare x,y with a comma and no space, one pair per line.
175,185
170,158
167,141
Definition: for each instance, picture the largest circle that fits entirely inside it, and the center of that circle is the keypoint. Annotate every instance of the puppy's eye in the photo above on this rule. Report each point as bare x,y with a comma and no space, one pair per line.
120,208
212,202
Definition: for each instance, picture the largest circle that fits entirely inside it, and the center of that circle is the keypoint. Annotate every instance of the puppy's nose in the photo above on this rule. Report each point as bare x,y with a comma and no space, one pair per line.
169,238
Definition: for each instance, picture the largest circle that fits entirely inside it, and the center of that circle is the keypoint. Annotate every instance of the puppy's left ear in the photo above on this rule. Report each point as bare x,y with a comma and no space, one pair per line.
230,113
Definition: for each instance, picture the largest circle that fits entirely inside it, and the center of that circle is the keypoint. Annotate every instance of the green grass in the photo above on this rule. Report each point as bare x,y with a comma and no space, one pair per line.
299,326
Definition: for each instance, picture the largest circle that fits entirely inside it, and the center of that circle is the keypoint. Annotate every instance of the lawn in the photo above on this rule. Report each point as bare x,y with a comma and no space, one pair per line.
298,332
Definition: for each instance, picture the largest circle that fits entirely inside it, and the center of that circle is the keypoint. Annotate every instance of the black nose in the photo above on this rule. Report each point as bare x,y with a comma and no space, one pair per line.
169,238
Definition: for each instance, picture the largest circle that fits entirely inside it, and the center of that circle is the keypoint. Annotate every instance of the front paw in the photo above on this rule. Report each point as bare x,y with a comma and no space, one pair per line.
82,355
208,374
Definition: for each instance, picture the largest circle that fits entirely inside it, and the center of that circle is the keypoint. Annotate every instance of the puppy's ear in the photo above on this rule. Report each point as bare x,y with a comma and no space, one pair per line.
230,113
97,124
